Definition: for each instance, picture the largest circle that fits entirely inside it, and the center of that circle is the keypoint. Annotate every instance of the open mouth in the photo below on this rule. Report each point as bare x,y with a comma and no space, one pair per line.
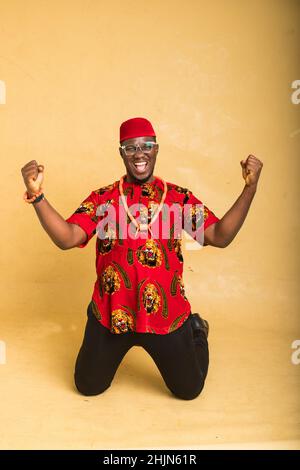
140,166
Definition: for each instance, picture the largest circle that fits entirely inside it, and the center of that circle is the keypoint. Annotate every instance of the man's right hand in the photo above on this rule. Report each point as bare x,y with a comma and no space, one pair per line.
33,175
65,235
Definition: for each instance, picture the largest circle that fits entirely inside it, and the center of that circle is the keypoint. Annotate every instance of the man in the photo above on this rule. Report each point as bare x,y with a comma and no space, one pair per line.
139,297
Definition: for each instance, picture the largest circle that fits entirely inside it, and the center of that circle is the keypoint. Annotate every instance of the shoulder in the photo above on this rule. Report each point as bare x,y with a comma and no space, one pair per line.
106,191
180,193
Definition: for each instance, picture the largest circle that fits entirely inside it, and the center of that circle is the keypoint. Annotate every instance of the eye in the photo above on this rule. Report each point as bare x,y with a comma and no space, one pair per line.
148,146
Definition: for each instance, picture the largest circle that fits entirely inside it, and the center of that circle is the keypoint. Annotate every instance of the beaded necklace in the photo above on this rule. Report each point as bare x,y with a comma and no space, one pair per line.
143,226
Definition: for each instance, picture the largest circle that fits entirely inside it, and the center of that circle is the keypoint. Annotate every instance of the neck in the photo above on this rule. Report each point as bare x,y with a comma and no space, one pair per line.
131,179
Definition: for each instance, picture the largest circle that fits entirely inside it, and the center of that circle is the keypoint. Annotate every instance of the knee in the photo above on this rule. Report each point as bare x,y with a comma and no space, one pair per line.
188,393
89,388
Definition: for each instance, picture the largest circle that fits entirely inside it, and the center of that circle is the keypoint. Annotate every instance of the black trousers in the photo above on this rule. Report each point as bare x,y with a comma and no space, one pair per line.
181,357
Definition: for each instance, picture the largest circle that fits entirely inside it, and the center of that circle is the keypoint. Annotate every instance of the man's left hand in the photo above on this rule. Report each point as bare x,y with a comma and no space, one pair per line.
251,168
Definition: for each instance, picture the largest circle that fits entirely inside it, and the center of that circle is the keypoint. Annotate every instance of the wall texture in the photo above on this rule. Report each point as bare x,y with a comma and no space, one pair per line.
215,78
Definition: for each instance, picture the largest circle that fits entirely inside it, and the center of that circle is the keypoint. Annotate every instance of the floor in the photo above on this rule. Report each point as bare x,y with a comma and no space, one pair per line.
250,400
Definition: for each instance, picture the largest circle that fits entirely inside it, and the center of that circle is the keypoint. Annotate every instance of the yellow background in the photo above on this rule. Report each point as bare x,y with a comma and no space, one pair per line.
215,79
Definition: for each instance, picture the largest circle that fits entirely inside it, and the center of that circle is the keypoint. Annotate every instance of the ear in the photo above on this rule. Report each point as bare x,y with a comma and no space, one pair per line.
120,150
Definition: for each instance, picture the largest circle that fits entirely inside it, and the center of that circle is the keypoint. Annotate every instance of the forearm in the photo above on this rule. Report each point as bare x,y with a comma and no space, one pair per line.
57,228
229,225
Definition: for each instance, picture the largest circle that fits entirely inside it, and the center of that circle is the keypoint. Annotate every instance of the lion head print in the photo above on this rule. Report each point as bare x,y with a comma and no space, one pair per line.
104,189
144,217
146,213
152,208
196,216
86,208
121,321
149,254
184,191
177,247
106,244
110,280
148,190
151,299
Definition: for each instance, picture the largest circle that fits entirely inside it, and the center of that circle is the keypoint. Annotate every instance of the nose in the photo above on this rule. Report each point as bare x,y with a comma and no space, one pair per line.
138,149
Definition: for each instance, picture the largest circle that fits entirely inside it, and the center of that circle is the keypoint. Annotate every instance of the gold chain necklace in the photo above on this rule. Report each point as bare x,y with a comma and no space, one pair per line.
141,226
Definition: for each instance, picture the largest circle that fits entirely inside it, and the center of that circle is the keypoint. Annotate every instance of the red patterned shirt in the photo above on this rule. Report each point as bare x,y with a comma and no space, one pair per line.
139,285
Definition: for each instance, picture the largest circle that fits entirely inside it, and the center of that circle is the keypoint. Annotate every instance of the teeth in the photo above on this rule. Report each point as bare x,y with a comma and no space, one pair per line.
140,166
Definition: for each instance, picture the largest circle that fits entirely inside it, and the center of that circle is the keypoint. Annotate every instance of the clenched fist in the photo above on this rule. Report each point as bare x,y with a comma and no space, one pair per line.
33,175
251,168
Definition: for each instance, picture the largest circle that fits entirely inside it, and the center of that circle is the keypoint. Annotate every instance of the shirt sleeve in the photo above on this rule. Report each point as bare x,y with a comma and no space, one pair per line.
85,217
197,217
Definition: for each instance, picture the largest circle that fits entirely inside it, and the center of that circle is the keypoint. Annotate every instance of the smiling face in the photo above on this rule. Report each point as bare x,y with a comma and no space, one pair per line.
139,166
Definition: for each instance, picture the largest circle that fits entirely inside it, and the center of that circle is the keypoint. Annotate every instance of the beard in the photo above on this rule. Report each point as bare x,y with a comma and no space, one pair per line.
138,180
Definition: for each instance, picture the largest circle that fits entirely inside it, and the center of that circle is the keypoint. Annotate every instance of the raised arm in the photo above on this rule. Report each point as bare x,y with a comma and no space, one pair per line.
62,233
224,231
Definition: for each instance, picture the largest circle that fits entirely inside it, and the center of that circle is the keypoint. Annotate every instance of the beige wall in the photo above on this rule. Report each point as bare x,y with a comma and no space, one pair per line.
215,80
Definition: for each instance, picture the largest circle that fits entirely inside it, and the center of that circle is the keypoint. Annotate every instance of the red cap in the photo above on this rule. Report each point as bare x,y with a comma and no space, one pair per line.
136,127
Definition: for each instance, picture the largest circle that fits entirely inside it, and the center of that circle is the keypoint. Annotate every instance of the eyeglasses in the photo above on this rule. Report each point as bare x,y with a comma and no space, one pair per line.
130,150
